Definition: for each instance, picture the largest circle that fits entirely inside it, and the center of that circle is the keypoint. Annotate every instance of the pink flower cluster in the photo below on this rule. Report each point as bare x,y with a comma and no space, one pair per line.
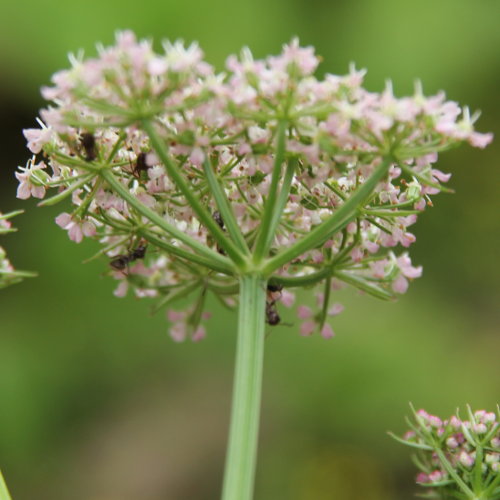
337,133
466,449
8,275
6,268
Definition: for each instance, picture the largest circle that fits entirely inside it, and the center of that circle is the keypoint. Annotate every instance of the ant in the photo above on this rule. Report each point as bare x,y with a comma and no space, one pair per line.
274,287
141,165
120,262
87,141
217,217
272,316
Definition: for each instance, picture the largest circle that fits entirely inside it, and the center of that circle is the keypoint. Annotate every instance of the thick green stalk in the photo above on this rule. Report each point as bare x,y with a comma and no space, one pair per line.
201,211
4,492
157,219
243,433
340,218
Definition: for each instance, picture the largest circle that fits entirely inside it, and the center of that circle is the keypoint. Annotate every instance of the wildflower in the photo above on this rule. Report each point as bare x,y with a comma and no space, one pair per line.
172,140
31,182
451,457
77,229
9,275
466,459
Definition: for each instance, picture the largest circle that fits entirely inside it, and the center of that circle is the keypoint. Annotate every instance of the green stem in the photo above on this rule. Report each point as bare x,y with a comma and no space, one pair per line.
224,207
336,222
266,232
160,222
477,473
243,433
203,215
280,204
4,492
491,487
301,281
453,474
184,254
11,214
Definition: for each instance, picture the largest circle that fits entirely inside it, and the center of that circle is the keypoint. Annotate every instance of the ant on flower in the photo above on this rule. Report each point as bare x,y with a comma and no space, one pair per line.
120,262
141,165
87,140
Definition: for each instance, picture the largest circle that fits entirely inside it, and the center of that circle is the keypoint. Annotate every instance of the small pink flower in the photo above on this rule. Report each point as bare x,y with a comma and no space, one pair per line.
197,157
178,332
435,421
371,246
455,422
307,328
466,459
198,334
174,316
357,254
27,187
121,289
304,312
287,298
37,138
327,331
422,478
440,176
480,428
378,268
480,140
404,264
77,229
400,284
420,204
436,476
157,66
335,309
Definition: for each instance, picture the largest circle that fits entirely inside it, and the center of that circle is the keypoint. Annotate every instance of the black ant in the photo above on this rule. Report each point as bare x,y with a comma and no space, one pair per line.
141,165
272,316
274,287
87,141
120,262
273,295
217,217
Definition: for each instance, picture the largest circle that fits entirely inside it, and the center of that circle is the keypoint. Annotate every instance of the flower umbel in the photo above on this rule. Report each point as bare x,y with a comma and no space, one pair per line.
244,185
9,275
457,458
262,168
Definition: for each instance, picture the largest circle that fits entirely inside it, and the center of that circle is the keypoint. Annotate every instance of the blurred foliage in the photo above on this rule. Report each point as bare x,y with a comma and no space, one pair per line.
96,402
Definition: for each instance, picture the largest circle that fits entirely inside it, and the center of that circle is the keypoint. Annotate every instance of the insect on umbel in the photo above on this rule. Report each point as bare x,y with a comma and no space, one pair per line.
120,262
87,140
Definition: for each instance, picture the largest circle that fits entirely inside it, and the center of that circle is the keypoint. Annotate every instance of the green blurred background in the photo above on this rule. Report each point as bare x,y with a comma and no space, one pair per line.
97,403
